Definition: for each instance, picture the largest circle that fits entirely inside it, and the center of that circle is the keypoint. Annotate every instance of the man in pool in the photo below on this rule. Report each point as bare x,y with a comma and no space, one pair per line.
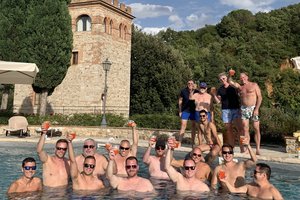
27,182
125,151
56,168
209,131
186,181
260,188
234,171
90,149
130,183
156,163
85,179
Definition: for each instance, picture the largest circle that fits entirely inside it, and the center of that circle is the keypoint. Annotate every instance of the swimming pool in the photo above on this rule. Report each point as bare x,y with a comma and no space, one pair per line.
285,177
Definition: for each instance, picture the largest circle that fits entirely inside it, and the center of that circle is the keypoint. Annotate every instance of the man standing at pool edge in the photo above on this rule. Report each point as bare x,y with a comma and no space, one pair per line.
27,183
56,169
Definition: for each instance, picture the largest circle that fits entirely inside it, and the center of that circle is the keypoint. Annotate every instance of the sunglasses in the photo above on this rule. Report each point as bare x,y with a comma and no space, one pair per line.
257,172
199,155
30,167
88,146
60,148
124,148
89,166
131,166
160,148
227,152
202,116
189,167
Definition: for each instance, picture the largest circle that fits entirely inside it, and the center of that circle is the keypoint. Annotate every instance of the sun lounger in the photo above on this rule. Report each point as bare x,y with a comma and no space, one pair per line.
17,125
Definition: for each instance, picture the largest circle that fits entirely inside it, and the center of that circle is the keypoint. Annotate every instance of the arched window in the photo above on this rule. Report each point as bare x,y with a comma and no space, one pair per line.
125,32
84,23
105,25
110,27
120,30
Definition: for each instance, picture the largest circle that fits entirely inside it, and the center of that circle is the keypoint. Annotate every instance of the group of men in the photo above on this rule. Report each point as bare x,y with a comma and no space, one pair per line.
92,171
240,103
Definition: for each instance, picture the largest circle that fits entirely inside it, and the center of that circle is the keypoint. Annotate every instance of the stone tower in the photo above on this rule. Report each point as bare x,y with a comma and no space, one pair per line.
101,30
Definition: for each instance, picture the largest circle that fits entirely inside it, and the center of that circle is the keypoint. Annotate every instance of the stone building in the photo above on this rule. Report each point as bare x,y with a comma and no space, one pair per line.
101,30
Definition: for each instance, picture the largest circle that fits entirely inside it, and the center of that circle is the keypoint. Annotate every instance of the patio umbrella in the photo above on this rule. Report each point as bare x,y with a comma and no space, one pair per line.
17,72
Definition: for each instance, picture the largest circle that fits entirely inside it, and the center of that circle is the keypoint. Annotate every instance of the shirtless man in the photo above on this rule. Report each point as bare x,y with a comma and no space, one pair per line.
203,171
156,163
187,109
186,181
27,183
251,99
130,183
229,99
56,169
209,131
90,149
126,151
260,188
203,101
235,172
86,179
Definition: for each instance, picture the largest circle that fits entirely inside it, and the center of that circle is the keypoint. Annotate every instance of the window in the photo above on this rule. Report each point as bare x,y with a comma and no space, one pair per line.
120,30
74,57
84,23
125,32
110,27
105,25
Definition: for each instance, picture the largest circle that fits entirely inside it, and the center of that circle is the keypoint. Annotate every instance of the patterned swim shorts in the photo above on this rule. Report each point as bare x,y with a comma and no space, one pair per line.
247,113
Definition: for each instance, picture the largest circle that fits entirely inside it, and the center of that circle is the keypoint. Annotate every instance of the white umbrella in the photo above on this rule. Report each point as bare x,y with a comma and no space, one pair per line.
17,72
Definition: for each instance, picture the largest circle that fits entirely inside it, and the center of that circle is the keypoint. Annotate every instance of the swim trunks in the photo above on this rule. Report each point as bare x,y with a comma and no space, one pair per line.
188,115
229,115
247,113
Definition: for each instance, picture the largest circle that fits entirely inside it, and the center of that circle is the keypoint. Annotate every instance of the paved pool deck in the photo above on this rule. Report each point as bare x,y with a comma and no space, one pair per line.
268,153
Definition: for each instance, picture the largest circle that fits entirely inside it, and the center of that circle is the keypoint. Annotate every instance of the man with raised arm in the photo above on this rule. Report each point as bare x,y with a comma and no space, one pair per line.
212,141
56,168
130,183
125,150
228,96
156,163
85,179
90,149
234,171
251,99
186,181
260,188
27,182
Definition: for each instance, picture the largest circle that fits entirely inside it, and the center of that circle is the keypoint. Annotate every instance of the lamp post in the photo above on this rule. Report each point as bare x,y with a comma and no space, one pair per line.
106,67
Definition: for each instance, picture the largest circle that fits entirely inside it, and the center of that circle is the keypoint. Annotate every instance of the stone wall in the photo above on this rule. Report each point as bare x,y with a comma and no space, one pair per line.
82,88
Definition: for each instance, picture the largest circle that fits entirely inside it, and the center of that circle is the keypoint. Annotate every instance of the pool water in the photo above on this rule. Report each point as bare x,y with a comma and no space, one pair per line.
286,177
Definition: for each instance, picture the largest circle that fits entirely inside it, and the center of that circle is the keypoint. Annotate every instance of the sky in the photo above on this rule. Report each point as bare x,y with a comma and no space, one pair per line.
153,16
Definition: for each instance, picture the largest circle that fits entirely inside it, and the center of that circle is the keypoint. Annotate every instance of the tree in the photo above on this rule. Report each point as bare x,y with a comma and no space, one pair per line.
40,32
157,75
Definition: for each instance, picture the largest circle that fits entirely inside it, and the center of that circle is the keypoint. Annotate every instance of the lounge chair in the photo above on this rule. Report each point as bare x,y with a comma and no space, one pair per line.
17,125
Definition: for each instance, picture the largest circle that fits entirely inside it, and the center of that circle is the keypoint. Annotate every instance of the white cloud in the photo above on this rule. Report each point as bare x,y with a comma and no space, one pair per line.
176,21
150,10
196,21
153,30
252,5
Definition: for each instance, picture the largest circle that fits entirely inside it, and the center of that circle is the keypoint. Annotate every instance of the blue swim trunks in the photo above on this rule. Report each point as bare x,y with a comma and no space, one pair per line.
188,115
228,115
197,116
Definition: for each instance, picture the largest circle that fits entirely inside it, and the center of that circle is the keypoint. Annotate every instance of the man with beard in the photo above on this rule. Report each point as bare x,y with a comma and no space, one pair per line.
84,180
27,183
251,99
156,163
56,169
235,172
125,151
90,149
260,188
186,181
130,183
209,131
